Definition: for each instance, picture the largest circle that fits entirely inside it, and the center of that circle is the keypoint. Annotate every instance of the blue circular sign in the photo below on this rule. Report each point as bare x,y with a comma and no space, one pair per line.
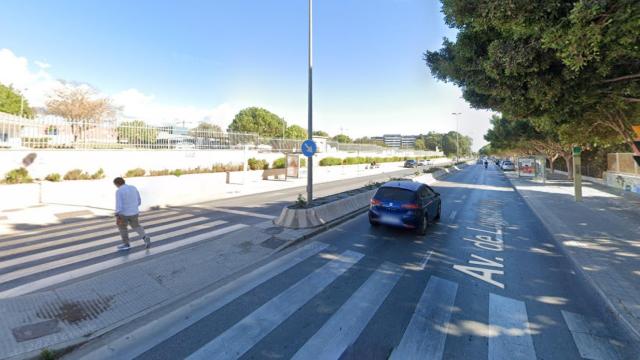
309,148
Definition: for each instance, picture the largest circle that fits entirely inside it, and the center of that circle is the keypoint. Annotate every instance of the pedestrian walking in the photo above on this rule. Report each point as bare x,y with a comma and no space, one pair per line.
127,203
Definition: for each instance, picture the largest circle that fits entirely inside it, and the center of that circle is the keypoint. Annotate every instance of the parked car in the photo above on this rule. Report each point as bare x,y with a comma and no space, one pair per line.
424,162
405,204
507,166
410,164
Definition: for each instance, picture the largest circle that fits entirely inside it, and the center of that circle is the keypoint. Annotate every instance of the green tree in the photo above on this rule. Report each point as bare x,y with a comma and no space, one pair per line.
137,132
296,132
433,140
573,63
11,101
420,144
342,138
320,133
257,120
205,130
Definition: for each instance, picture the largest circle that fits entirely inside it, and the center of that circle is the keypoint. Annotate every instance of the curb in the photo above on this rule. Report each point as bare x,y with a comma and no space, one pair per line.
605,302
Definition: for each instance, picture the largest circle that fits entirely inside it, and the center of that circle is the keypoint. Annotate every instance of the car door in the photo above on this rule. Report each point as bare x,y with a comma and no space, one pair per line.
430,202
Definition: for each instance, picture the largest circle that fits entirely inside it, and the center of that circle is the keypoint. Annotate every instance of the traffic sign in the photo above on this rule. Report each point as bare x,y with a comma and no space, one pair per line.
577,150
309,148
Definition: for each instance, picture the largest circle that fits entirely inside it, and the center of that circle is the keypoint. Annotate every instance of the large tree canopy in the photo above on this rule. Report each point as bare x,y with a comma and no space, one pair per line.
296,132
550,61
257,120
12,102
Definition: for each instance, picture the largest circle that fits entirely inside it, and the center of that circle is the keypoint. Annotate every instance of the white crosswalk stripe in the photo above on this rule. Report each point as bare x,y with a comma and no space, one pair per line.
344,327
422,339
510,335
13,275
149,228
89,269
241,337
144,338
74,227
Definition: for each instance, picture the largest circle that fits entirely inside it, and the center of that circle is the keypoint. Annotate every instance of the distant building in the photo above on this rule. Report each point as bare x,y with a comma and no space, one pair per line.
409,141
393,140
398,141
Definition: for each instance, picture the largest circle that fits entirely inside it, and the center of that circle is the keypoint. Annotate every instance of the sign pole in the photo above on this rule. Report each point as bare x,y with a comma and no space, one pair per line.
577,173
310,109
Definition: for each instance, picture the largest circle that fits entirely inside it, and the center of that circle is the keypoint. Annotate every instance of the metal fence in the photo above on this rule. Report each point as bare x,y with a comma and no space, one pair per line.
52,132
622,163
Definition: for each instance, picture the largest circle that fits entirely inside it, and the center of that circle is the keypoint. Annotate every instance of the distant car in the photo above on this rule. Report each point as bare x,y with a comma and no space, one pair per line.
424,162
405,204
479,162
410,164
507,166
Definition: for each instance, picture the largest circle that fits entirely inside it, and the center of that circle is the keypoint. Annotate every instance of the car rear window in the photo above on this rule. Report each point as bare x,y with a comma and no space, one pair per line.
395,194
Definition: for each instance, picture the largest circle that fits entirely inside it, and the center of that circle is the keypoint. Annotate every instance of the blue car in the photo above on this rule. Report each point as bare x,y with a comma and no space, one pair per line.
405,204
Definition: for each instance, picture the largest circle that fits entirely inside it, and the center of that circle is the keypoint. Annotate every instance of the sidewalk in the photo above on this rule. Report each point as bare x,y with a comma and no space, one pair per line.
601,236
93,305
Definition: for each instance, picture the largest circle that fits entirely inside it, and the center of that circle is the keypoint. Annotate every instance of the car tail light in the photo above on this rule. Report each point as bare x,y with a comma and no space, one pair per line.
410,206
375,202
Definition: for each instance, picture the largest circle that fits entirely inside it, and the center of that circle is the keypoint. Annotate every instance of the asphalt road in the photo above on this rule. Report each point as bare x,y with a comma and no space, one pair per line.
486,282
44,257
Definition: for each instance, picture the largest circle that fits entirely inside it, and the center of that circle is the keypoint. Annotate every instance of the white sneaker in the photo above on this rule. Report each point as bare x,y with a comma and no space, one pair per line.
123,247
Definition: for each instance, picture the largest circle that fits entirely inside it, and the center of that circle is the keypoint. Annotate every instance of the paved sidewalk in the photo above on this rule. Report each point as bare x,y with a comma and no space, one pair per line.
85,308
601,235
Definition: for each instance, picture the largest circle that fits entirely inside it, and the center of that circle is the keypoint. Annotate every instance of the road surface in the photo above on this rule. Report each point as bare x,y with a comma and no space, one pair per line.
486,282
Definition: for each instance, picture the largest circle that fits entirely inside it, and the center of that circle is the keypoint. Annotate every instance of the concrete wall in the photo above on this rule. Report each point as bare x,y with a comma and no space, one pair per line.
117,162
623,181
167,190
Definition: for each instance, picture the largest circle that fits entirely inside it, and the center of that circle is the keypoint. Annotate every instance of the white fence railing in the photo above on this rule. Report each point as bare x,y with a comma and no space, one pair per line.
52,132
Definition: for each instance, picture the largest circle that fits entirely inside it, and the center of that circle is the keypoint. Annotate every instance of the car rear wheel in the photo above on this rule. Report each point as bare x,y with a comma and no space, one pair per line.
372,222
438,213
422,227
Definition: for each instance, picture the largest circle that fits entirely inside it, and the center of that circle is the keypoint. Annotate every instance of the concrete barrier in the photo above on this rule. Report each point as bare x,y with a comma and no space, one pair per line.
323,214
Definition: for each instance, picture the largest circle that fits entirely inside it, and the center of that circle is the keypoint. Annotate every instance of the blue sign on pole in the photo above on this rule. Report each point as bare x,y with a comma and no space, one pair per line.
309,148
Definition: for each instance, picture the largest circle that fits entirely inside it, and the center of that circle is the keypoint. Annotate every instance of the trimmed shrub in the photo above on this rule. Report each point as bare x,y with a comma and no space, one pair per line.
135,172
98,175
159,172
279,163
54,177
255,164
77,174
330,161
17,176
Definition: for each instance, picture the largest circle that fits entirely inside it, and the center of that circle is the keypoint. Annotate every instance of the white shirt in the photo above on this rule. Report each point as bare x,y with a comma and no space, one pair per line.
127,200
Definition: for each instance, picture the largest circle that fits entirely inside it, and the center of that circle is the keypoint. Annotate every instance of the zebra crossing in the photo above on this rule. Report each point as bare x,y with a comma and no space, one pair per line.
424,336
43,258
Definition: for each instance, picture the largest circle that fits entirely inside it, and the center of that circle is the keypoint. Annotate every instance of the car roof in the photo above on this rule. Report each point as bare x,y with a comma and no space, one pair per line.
407,185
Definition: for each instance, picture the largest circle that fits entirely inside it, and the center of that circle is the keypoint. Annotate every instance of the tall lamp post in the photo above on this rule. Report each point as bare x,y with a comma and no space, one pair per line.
457,114
310,107
22,101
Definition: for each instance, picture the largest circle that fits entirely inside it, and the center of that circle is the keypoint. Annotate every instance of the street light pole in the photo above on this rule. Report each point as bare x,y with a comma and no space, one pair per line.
22,101
310,107
457,140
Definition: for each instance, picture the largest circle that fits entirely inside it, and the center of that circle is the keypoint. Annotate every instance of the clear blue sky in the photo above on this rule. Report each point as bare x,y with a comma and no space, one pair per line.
368,69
